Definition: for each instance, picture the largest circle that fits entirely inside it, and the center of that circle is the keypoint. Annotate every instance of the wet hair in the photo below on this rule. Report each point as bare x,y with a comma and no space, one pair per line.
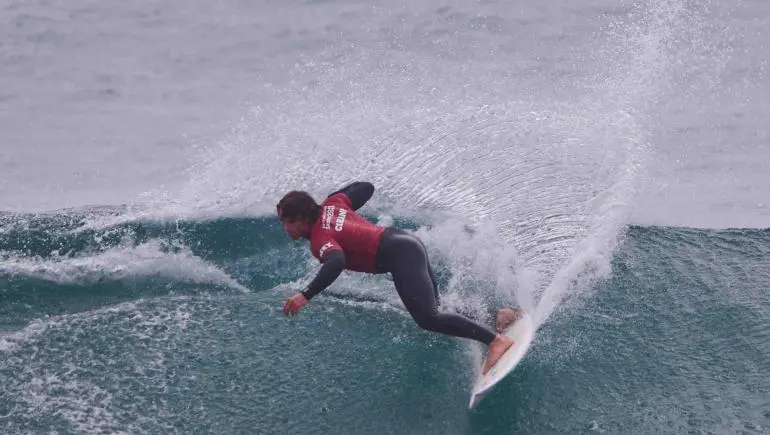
298,205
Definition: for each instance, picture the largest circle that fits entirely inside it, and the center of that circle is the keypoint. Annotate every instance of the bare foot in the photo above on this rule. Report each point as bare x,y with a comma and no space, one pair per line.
505,317
497,348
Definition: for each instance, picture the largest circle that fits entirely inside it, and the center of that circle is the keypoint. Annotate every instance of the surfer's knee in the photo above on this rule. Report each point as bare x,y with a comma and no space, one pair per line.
427,320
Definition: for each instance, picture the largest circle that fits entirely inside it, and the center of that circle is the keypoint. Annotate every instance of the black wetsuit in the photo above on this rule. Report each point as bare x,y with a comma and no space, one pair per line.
404,256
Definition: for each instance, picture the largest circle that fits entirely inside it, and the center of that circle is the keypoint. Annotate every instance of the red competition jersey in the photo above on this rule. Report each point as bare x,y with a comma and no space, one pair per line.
339,228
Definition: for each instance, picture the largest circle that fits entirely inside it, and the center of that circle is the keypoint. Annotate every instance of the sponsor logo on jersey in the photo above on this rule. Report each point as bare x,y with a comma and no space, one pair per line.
326,219
340,219
324,248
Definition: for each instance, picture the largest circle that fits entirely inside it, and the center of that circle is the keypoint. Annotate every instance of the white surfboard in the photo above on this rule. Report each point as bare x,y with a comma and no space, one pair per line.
522,332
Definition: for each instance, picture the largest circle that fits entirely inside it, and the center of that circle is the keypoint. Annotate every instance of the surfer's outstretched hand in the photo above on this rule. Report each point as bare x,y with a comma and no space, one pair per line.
294,304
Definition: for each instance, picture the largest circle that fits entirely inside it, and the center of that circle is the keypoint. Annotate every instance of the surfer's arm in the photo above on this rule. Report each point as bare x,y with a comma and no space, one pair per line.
332,266
358,192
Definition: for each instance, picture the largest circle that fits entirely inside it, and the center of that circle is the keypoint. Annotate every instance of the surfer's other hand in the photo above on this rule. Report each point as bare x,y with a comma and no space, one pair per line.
294,304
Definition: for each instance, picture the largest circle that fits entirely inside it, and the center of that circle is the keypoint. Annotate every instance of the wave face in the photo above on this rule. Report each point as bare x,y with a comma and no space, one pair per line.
175,326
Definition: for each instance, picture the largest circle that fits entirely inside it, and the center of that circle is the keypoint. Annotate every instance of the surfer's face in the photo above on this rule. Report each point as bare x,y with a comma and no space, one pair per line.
295,228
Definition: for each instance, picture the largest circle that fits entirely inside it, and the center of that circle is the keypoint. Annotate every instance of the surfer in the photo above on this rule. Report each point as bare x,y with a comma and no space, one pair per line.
341,239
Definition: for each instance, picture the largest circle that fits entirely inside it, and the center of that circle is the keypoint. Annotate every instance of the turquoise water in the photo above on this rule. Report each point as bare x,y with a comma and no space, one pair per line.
674,340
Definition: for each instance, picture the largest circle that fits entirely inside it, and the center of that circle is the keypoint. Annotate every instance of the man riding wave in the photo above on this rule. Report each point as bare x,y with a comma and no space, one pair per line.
341,239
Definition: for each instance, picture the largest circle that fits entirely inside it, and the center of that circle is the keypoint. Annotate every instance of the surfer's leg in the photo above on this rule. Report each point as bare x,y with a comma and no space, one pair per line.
417,290
433,281
504,317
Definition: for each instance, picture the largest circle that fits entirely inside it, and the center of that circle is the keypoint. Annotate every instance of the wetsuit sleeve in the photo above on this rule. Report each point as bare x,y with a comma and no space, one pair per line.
358,192
333,264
